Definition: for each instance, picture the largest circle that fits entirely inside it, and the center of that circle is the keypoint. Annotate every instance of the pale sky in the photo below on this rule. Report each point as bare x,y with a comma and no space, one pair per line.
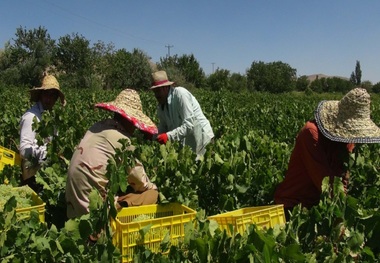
314,37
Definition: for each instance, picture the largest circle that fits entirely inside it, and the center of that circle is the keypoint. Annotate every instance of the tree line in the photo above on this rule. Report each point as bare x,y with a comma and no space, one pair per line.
79,64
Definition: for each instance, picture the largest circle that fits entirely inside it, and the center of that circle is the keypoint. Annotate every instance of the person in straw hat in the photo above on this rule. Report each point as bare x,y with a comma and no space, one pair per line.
32,154
88,165
323,145
180,115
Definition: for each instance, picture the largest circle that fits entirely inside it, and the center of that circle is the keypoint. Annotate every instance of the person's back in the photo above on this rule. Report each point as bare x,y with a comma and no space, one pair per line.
323,146
307,168
88,164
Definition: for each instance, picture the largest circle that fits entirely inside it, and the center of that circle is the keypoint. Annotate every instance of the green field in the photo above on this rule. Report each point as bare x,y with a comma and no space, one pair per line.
255,134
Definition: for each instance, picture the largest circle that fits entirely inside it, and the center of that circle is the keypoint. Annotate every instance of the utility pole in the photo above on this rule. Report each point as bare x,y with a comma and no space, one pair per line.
168,46
213,63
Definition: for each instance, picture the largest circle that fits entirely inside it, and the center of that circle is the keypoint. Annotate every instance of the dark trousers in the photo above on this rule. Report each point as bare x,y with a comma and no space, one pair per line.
31,182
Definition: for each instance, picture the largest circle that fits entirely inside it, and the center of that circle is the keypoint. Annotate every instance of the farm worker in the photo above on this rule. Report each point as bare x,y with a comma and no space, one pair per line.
322,145
180,116
88,164
32,154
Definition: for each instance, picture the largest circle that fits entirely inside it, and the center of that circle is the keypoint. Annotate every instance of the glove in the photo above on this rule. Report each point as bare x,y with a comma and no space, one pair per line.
162,138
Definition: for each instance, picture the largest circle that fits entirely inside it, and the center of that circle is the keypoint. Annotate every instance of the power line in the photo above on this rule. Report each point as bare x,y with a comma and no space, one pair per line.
95,22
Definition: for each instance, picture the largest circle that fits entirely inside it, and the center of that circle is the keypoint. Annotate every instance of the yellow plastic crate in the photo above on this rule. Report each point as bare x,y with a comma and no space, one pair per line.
263,217
37,204
8,157
163,218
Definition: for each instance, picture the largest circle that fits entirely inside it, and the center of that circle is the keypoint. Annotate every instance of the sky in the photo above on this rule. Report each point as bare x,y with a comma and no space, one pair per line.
314,37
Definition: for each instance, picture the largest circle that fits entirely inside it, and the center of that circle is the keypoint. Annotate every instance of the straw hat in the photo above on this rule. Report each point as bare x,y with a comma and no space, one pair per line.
48,82
348,120
160,79
128,105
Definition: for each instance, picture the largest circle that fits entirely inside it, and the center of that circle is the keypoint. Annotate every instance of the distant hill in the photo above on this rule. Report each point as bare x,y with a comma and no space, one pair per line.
319,76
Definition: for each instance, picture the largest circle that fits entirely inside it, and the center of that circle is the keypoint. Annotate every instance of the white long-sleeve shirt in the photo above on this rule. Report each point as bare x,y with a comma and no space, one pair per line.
29,149
183,120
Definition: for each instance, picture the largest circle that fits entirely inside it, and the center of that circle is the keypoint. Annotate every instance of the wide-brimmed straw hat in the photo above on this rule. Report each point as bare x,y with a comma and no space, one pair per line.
160,79
49,82
128,105
348,120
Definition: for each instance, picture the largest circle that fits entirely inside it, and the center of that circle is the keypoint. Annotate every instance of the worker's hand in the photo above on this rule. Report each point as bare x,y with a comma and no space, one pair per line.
162,138
116,203
345,180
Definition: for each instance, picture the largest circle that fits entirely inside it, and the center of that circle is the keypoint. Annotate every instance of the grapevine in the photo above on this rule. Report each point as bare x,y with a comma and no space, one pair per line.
22,194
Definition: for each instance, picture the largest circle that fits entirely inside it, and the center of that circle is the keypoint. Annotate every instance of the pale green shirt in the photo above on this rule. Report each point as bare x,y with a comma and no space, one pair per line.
182,119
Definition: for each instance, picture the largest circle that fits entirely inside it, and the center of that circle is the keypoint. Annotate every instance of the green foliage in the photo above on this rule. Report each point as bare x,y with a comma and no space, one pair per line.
219,80
11,111
302,83
129,70
356,77
333,84
23,196
272,77
101,66
73,56
238,82
30,240
367,85
139,72
186,66
29,56
376,88
255,134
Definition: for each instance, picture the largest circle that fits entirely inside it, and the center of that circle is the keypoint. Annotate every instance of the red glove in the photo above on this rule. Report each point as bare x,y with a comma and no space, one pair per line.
162,138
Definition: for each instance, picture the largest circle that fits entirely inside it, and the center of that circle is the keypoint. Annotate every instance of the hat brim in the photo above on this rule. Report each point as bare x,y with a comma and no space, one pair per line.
34,94
362,131
168,83
138,119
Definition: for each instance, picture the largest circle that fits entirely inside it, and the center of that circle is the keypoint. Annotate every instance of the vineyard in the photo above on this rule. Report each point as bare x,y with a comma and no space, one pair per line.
255,134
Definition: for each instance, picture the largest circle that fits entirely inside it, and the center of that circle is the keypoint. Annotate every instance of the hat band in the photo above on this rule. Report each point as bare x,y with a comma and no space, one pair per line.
159,82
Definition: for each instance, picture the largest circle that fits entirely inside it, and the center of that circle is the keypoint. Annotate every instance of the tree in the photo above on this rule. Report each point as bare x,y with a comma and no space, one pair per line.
238,82
188,66
117,77
376,88
333,84
356,77
74,57
319,85
139,73
28,57
219,80
101,53
336,84
128,70
302,83
9,74
367,85
272,77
